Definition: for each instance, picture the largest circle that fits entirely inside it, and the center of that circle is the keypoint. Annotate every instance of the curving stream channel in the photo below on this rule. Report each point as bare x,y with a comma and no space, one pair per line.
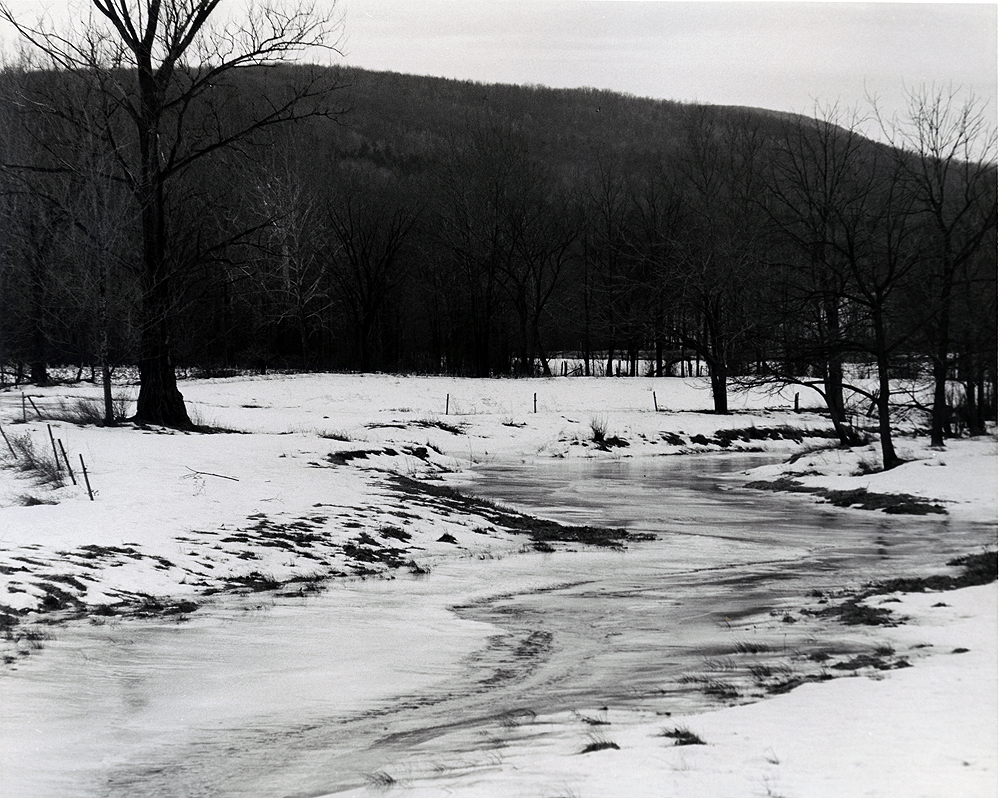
280,696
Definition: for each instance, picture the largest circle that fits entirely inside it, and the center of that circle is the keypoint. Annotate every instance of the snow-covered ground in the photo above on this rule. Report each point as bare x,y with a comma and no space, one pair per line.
317,484
178,514
921,732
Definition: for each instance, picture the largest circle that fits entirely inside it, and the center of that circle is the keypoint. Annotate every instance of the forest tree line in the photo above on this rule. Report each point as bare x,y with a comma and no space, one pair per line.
407,224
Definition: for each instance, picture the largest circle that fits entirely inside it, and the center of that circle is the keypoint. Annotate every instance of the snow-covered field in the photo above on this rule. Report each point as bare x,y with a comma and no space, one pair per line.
177,514
312,479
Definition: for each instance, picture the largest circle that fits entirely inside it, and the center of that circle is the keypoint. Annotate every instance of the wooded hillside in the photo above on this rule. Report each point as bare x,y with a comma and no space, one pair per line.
431,225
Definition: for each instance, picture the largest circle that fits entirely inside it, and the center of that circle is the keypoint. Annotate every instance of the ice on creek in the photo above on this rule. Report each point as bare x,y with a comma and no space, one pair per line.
487,676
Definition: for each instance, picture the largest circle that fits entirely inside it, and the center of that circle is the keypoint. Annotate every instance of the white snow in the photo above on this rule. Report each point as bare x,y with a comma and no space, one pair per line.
176,515
926,732
186,498
963,475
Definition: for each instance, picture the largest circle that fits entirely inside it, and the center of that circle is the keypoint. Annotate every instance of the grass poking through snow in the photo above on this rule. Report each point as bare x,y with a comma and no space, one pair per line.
682,736
380,780
599,743
38,463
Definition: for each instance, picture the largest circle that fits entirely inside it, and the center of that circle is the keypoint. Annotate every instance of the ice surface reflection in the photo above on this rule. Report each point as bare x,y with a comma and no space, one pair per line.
271,696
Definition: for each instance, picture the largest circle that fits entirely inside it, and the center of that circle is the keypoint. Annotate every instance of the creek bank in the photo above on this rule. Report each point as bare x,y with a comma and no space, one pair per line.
543,532
958,482
858,498
374,550
752,670
976,569
179,518
752,438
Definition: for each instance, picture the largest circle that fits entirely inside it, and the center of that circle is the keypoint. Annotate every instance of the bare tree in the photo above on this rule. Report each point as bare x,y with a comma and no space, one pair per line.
289,271
812,181
368,227
878,248
608,202
483,176
720,252
947,147
850,219
542,228
95,251
166,72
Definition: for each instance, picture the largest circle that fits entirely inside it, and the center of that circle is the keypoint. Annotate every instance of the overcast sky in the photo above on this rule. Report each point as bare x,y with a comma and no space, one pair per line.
782,55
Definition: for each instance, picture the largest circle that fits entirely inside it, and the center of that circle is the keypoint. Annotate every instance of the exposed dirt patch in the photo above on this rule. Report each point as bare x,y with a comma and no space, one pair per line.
854,613
892,503
152,607
543,532
366,549
879,663
343,458
753,669
611,442
977,569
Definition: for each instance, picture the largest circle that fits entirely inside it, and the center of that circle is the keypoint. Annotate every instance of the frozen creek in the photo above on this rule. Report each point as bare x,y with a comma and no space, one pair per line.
270,696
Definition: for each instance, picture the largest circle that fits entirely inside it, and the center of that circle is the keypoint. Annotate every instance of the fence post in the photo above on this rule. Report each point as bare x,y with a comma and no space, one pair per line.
55,451
7,441
66,460
86,478
37,411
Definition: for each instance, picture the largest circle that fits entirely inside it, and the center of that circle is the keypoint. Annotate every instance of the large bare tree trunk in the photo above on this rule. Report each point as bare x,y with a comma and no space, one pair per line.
889,457
159,400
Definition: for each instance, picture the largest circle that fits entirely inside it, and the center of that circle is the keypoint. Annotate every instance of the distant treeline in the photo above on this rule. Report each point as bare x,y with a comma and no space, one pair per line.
438,226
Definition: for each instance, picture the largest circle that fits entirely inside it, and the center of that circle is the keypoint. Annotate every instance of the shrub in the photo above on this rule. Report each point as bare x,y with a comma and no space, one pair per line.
454,429
380,780
682,736
598,429
42,465
27,500
91,411
389,531
750,647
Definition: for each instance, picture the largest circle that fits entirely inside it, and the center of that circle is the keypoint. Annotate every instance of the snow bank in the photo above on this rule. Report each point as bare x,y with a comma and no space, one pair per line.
962,476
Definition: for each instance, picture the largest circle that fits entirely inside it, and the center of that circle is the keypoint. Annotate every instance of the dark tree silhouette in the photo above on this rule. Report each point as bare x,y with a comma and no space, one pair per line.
368,226
162,67
948,153
811,182
720,254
